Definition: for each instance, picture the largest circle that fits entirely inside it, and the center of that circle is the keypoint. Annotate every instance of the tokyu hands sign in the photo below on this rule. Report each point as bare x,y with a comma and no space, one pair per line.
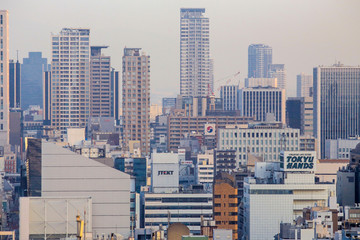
298,161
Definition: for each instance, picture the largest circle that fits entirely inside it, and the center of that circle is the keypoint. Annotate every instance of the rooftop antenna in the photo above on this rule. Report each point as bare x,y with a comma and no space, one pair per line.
17,55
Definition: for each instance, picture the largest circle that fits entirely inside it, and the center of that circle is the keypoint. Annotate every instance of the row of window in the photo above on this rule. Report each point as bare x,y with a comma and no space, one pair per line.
176,200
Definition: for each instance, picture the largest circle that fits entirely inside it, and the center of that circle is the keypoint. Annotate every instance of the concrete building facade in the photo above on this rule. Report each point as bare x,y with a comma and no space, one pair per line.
4,77
340,148
186,208
70,79
336,103
263,103
100,83
262,140
179,126
229,97
195,66
278,71
279,197
304,85
136,98
54,171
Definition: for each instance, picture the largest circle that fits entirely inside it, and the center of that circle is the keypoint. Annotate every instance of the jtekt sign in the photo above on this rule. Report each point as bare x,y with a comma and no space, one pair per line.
298,161
165,173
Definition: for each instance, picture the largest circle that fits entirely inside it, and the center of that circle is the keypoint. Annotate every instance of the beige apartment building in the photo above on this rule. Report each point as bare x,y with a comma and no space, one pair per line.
70,79
4,77
136,98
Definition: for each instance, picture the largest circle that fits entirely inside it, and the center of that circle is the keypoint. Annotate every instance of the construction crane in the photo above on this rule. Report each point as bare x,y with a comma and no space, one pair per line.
228,79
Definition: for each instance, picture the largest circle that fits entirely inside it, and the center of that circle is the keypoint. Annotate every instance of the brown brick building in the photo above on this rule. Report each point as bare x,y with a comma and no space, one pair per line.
226,203
179,125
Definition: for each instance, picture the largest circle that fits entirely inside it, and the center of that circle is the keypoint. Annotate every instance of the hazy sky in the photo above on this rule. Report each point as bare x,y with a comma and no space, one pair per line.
302,33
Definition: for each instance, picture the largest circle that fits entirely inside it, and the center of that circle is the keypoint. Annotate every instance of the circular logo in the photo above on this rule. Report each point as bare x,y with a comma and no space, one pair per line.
209,129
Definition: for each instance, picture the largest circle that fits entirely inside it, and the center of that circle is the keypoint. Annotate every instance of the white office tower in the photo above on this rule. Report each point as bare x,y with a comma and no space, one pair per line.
280,191
304,85
4,77
336,103
266,104
229,97
70,79
195,67
278,71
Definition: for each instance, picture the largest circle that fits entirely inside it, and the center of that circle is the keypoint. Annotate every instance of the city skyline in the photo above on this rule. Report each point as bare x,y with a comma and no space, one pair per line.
291,44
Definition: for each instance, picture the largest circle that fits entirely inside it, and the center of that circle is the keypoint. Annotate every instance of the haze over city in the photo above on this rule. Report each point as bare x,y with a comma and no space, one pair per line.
303,34
179,119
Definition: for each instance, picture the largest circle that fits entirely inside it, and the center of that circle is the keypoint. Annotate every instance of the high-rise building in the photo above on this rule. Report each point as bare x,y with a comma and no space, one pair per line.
195,65
278,71
4,77
304,85
100,83
336,103
70,79
136,98
47,97
260,57
115,95
14,84
263,103
32,70
229,97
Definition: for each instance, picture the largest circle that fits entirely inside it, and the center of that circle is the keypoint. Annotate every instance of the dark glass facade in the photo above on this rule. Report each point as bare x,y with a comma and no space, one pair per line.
135,167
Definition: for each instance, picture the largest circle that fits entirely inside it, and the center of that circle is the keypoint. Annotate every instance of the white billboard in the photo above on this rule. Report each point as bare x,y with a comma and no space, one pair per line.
210,129
298,161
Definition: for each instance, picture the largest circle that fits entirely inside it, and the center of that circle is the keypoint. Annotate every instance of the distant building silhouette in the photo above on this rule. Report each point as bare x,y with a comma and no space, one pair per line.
14,84
260,57
32,70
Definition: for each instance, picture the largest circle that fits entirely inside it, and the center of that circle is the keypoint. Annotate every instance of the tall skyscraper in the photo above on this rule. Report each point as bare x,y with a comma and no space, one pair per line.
47,98
136,98
336,103
195,66
32,70
304,85
14,84
115,95
260,57
70,79
4,77
100,83
278,71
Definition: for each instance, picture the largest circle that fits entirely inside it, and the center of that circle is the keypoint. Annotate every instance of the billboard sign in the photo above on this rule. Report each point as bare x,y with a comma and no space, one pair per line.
298,161
210,129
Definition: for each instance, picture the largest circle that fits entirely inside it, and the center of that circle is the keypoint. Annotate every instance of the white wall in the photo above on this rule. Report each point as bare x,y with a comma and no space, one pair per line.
67,174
